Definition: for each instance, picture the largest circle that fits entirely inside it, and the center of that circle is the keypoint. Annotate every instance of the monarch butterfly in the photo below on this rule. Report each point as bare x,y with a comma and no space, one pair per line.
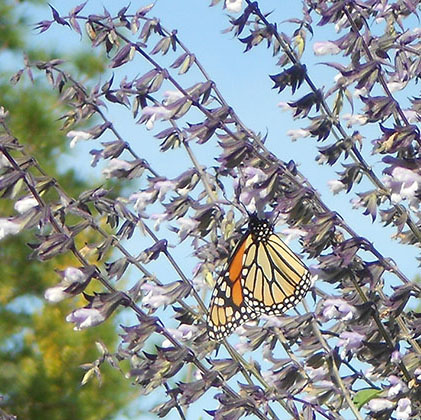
263,276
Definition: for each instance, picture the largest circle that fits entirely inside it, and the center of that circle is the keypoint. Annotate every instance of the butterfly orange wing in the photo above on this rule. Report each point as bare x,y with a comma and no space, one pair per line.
227,309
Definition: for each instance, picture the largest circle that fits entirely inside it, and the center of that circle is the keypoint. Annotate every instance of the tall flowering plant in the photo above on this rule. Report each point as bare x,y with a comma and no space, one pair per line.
352,349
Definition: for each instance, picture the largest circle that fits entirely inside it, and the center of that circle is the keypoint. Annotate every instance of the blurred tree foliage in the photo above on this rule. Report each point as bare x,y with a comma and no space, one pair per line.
39,353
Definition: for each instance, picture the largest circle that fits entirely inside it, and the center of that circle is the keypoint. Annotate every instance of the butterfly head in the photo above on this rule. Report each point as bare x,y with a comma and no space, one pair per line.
260,229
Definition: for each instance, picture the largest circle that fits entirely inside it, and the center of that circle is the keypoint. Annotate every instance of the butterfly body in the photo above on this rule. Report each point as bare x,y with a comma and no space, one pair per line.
263,276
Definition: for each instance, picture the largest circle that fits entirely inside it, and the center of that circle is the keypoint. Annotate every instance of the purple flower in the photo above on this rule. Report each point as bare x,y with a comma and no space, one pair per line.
404,184
298,134
152,113
403,410
142,199
353,119
396,357
350,340
380,404
326,47
74,281
85,318
99,308
417,374
115,166
337,309
183,333
397,386
163,187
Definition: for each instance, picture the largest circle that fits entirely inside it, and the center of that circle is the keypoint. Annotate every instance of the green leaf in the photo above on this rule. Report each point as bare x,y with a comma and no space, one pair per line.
365,395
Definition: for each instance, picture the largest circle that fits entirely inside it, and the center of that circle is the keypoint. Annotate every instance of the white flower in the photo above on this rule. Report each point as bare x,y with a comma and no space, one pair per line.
116,165
350,340
339,79
417,374
342,22
142,199
360,92
163,187
379,404
316,374
292,233
71,277
187,225
85,318
297,134
335,186
370,374
396,85
271,321
154,297
411,115
284,106
411,34
353,119
397,386
357,203
153,113
404,184
326,47
74,275
254,175
172,96
8,227
403,410
234,6
25,204
396,357
337,309
55,294
159,218
183,333
270,378
3,113
77,136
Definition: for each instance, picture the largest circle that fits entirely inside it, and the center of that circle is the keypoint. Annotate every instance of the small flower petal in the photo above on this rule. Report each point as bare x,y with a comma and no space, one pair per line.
85,318
234,6
326,47
8,227
380,404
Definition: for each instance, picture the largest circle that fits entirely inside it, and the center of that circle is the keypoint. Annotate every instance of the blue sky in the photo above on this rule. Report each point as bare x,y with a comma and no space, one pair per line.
244,81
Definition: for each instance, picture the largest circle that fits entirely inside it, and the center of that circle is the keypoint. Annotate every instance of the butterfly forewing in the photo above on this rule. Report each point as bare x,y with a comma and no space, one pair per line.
276,279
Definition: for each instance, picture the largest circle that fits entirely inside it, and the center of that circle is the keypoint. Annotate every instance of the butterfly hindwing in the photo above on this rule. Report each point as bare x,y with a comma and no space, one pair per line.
227,309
